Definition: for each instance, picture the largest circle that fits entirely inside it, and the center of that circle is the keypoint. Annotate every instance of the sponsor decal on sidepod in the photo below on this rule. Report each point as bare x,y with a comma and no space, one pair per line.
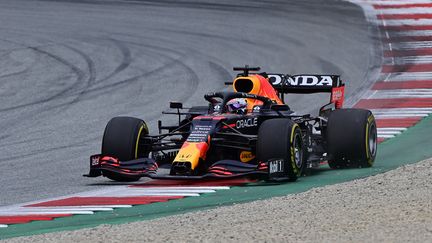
251,122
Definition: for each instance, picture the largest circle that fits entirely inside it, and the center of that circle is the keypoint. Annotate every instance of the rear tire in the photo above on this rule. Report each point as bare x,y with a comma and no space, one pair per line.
282,138
121,140
351,138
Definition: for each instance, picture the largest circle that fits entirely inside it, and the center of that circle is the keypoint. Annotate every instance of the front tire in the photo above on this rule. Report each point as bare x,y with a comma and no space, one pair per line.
121,140
281,138
351,138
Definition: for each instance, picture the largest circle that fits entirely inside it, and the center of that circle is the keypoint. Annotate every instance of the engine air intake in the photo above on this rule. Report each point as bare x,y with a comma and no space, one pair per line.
243,85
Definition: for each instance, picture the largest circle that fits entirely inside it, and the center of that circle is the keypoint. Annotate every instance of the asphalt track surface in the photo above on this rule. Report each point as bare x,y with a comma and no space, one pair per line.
67,67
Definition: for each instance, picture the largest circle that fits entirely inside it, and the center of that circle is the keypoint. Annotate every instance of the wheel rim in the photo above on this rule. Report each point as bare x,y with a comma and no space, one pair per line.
372,140
298,153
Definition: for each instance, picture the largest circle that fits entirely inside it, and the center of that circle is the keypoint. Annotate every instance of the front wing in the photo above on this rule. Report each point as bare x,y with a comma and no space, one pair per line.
146,167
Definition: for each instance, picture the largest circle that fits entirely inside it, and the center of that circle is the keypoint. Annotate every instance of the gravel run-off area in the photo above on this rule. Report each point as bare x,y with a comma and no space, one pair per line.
391,207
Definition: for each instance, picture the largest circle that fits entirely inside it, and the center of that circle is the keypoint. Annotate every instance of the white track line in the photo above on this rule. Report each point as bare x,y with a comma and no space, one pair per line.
108,206
401,112
399,115
384,129
87,207
59,208
412,32
426,109
388,133
165,194
420,10
410,45
408,60
36,212
402,93
113,190
3,226
183,188
407,76
390,113
386,136
118,191
398,22
186,190
66,208
418,91
393,111
138,192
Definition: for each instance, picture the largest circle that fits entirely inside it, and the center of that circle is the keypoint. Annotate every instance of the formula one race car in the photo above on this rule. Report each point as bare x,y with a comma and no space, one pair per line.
248,132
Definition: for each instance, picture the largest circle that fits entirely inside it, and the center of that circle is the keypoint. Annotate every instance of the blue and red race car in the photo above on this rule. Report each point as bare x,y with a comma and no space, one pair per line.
247,132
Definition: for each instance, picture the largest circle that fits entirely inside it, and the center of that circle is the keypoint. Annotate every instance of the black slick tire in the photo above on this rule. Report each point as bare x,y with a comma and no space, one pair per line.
351,138
282,138
121,140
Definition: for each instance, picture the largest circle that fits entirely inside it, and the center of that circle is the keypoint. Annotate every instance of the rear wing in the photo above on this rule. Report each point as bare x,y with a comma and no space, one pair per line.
308,84
304,83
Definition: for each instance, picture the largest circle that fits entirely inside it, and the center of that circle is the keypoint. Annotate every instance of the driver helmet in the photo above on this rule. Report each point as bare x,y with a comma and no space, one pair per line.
237,106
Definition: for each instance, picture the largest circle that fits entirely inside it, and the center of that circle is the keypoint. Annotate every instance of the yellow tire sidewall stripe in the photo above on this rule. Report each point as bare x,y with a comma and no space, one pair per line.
294,165
368,124
137,141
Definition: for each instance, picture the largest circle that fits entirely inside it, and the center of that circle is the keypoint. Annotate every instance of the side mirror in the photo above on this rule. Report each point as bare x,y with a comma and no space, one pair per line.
176,105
